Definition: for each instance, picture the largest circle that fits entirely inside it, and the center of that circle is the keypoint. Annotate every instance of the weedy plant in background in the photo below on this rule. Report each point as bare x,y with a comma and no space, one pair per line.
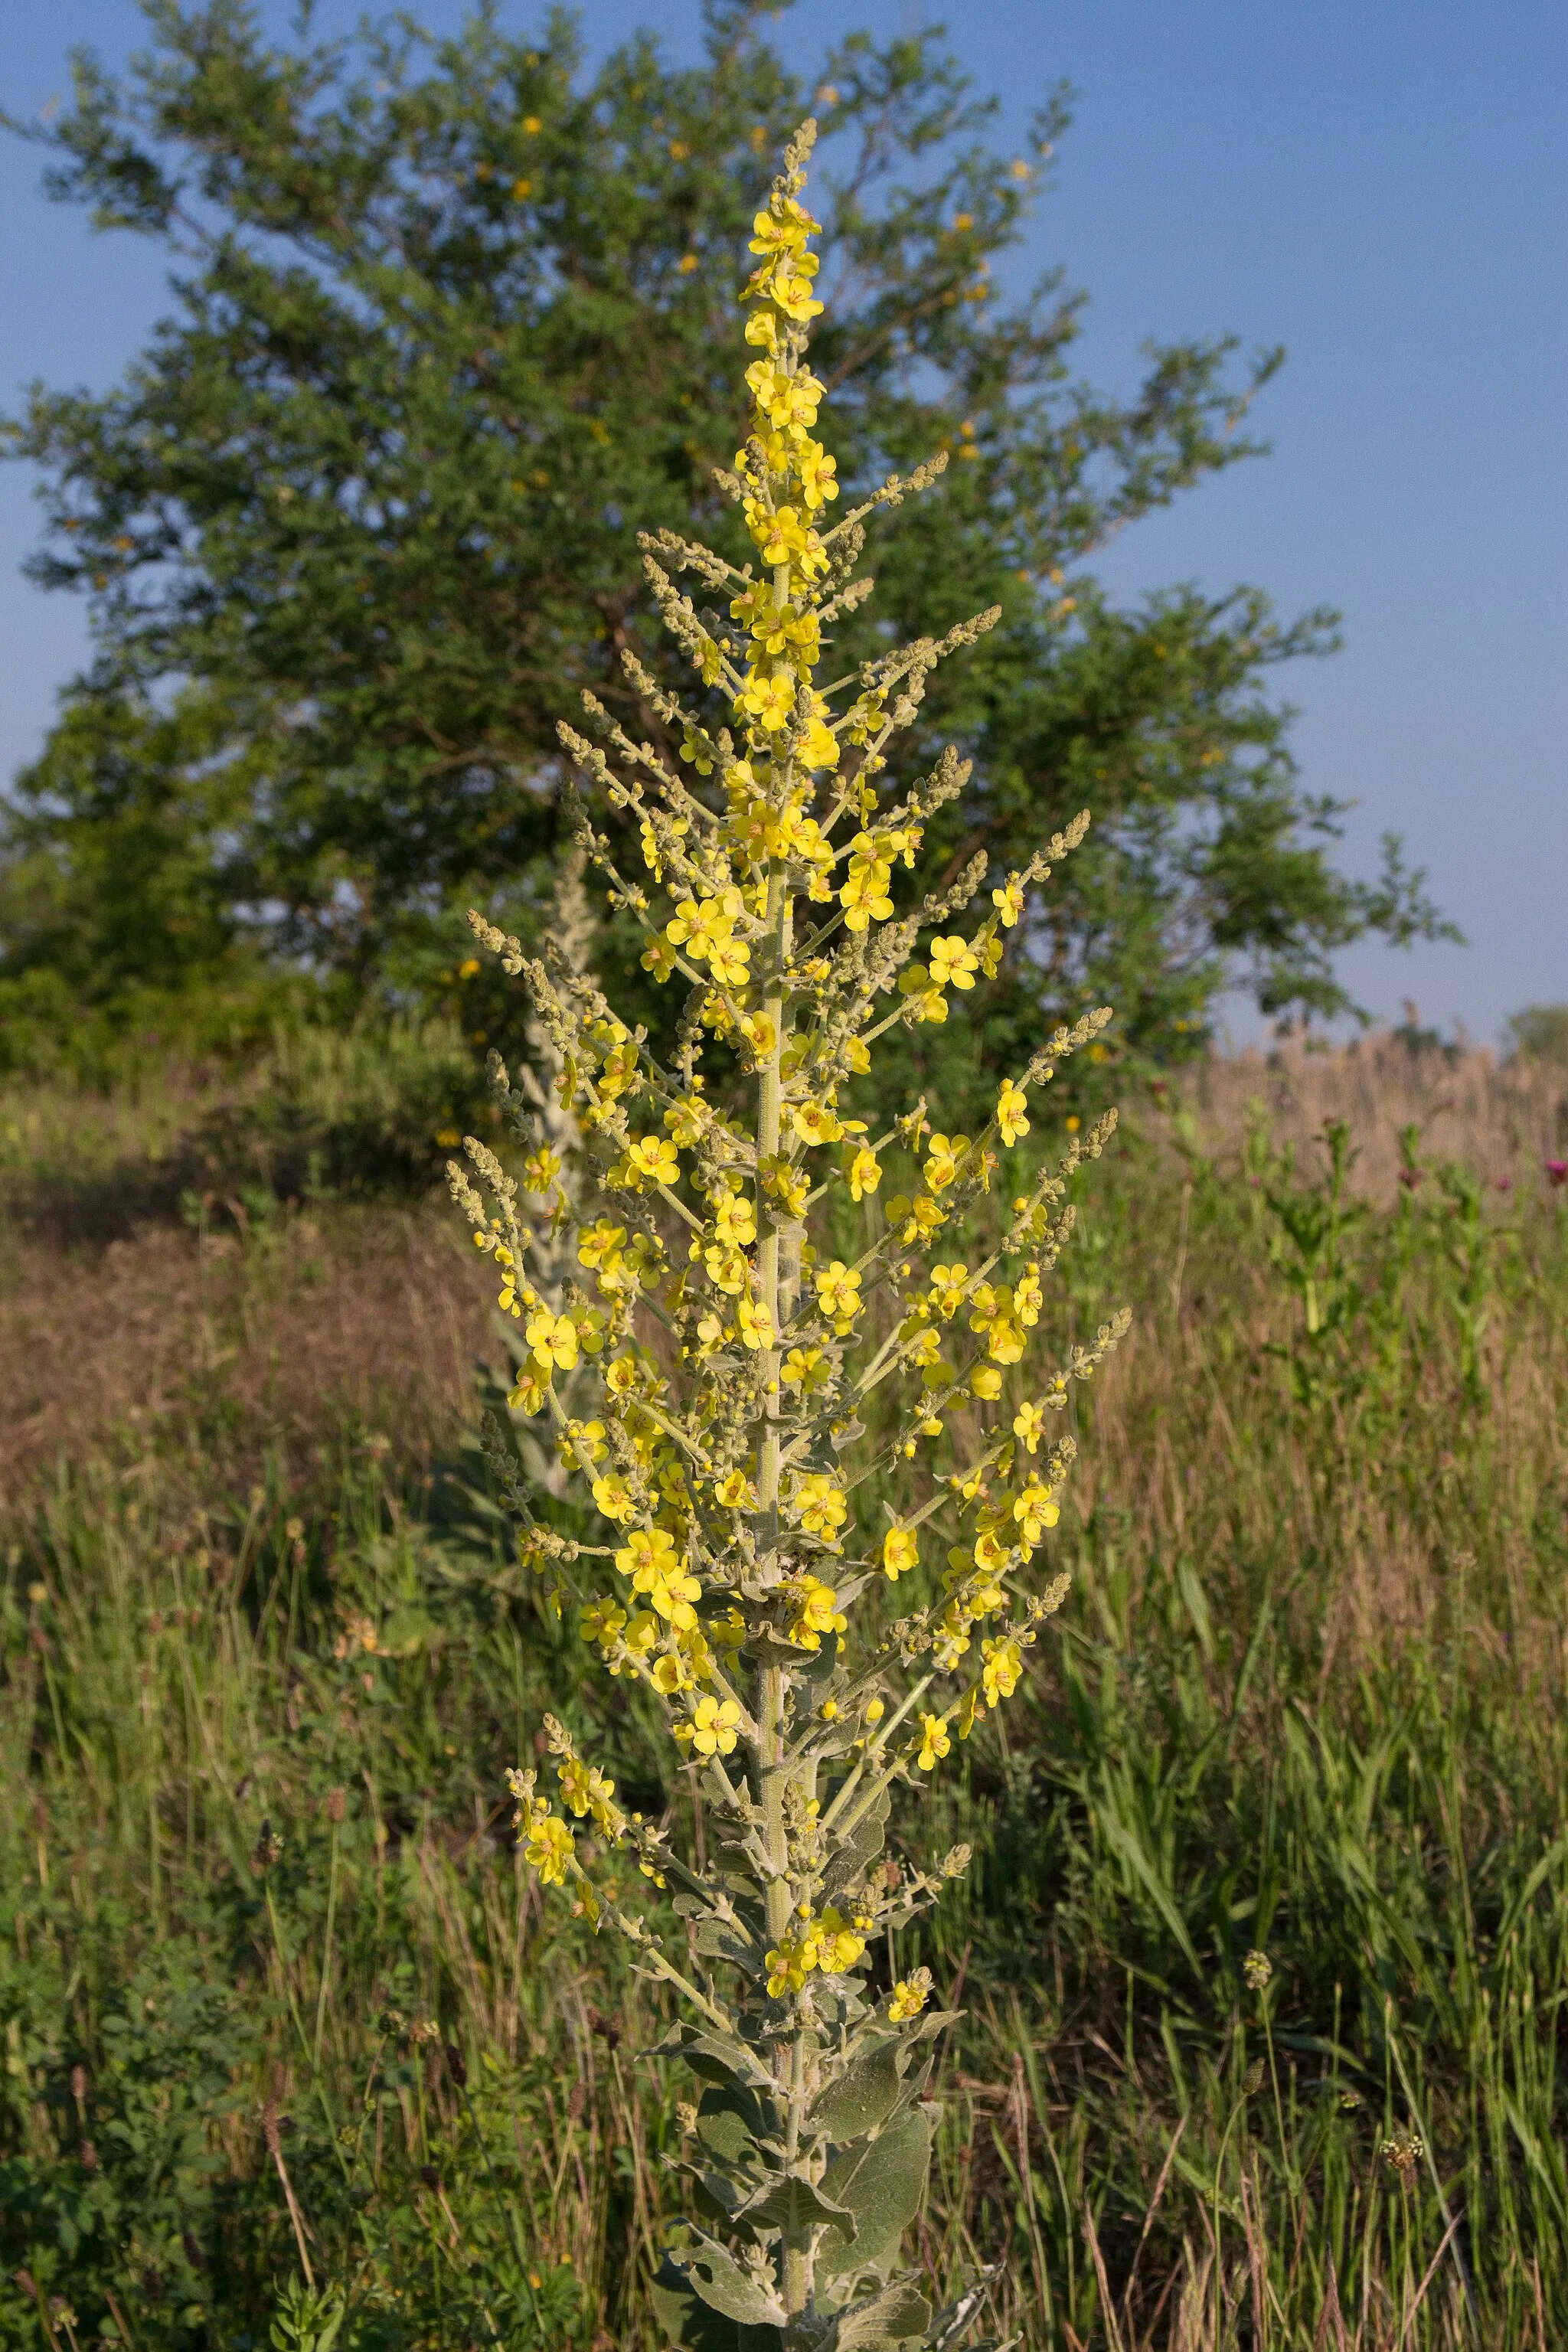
734,1360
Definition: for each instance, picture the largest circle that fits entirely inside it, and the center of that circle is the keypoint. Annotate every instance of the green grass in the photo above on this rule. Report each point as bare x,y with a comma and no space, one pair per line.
1306,1701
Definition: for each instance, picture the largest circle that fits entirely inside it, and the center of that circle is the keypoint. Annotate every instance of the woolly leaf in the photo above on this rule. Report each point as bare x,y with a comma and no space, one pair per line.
881,2181
793,2206
720,2284
690,2325
729,2123
893,2316
863,2096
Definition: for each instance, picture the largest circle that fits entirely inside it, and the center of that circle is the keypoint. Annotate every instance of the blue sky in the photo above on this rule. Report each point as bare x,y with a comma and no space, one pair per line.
1378,185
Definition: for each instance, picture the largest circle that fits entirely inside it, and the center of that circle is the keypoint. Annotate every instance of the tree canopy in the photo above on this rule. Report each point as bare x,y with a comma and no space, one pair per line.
449,319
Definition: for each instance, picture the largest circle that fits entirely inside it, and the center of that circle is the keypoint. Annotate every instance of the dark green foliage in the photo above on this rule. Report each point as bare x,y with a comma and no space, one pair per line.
451,317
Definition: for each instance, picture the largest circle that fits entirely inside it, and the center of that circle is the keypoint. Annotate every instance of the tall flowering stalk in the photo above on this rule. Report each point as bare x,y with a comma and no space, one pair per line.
735,1360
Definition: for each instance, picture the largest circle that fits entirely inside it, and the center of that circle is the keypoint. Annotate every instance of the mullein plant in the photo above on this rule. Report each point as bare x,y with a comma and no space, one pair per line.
735,1358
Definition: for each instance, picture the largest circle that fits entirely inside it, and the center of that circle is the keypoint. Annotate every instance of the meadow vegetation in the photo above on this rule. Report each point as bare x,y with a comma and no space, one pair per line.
1264,1955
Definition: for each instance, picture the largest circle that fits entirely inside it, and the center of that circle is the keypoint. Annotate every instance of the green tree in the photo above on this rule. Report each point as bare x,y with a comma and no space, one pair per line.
115,916
446,313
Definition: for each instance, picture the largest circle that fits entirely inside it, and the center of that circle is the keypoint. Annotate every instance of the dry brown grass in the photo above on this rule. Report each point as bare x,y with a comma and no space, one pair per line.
1502,1119
215,1351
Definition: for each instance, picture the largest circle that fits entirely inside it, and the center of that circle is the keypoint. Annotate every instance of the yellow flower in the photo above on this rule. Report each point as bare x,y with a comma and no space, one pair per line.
553,1340
815,1123
768,696
729,1631
539,1171
919,1218
818,747
730,962
986,1382
815,1612
901,1551
838,1296
548,1844
806,1369
953,963
1009,900
530,1394
601,1244
1035,1510
935,1741
821,1505
999,1674
944,1156
1005,1341
601,1622
864,898
651,1565
582,1441
791,1963
714,1728
734,1491
727,1270
816,471
864,1173
669,1676
947,1283
584,1787
1011,1112
756,1326
841,1941
786,397
909,1996
1027,1423
611,1497
653,1160
785,1185
783,227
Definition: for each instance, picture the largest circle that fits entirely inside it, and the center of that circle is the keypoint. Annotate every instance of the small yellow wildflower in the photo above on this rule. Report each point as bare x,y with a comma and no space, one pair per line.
553,1340
584,1787
806,1369
714,1728
613,1496
901,1551
935,1741
944,1158
864,1173
548,1844
909,1996
821,1506
838,1296
1036,1511
953,963
756,1324
1029,1423
1011,1112
815,1612
652,1160
947,1287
